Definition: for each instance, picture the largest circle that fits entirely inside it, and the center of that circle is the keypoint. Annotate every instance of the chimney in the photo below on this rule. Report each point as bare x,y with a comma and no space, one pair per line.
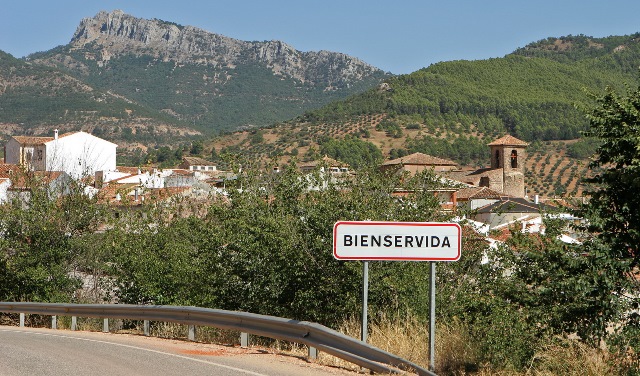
55,134
536,199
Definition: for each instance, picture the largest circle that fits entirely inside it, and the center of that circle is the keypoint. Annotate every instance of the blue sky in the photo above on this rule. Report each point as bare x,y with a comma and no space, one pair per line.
398,36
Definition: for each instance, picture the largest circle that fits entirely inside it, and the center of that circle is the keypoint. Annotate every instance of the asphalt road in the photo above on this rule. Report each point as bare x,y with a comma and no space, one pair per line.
34,352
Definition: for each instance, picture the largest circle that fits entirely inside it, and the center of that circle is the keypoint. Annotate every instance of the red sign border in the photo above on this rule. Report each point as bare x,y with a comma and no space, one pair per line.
412,224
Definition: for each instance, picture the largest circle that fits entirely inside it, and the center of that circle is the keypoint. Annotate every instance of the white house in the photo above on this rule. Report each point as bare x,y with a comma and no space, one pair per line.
79,154
197,164
5,183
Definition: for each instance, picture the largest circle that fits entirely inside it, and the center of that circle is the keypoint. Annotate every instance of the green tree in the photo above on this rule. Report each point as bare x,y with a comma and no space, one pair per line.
267,249
614,202
37,249
197,147
353,151
612,210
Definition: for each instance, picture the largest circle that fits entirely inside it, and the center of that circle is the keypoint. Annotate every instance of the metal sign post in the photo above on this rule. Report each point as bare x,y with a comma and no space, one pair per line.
432,317
365,298
398,241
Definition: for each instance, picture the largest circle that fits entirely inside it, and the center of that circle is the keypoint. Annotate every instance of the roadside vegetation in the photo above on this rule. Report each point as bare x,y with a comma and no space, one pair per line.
539,306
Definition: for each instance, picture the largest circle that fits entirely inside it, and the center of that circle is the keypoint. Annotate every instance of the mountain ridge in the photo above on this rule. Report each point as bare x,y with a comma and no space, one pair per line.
117,33
208,81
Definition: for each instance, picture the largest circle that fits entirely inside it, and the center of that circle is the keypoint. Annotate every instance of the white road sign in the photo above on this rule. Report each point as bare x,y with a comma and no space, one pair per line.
408,241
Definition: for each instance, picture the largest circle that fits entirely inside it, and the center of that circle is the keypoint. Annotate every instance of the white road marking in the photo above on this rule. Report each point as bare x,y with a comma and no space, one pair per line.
139,348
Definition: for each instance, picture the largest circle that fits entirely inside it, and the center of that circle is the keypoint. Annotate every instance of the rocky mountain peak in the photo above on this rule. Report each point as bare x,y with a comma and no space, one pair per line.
117,33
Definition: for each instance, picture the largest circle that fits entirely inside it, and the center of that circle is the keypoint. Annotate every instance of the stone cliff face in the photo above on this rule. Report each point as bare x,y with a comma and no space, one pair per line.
116,33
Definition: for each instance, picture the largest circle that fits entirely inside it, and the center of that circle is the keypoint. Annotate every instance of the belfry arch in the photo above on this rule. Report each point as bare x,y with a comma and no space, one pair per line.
509,155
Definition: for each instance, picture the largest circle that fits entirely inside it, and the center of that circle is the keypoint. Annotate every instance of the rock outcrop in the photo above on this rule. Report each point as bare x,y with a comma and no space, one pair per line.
116,33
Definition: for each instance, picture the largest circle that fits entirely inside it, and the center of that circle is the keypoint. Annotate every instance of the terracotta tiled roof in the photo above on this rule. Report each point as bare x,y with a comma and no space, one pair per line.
325,160
9,167
478,193
109,193
38,140
130,170
117,181
501,235
196,161
420,159
32,140
21,181
512,205
508,140
464,176
181,171
447,206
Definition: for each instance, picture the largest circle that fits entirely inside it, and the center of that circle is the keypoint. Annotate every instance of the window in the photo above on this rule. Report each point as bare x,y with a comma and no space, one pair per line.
514,159
497,158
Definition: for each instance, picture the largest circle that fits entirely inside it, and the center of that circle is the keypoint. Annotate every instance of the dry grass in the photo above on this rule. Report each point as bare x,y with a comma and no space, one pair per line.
406,337
457,355
409,338
573,358
203,333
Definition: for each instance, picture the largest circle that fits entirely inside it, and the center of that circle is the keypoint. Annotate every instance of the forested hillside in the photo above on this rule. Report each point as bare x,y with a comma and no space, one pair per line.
31,93
531,93
207,98
35,99
453,109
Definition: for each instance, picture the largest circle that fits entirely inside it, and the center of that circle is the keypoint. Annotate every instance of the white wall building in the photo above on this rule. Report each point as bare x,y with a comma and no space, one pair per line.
4,186
79,154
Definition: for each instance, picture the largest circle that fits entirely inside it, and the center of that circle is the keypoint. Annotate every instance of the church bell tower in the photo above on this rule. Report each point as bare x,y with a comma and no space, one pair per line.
509,154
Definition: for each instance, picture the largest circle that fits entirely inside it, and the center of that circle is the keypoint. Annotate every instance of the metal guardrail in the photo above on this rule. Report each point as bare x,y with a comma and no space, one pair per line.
303,332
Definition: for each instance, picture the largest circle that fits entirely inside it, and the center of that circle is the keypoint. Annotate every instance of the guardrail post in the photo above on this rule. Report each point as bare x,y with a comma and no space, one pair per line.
192,333
331,342
312,353
145,328
21,319
54,322
244,339
105,326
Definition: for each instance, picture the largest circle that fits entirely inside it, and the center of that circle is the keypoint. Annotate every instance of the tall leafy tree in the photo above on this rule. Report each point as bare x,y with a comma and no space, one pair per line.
613,205
612,211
